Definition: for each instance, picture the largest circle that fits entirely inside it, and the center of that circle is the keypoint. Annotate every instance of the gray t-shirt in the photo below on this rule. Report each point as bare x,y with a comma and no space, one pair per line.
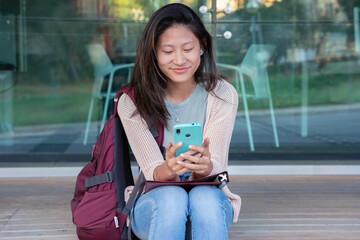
192,110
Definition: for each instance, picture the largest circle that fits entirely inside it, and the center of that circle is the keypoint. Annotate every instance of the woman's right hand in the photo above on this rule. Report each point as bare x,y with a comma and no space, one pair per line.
171,160
170,169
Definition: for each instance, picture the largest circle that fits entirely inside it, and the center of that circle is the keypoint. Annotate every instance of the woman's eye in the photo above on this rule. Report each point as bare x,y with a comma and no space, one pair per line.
167,52
188,50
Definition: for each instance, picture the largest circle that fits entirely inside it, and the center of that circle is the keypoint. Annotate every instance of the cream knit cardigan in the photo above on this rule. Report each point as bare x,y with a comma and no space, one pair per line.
219,123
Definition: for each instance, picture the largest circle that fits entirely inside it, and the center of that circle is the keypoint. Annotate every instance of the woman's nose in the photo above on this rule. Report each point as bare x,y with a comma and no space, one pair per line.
179,58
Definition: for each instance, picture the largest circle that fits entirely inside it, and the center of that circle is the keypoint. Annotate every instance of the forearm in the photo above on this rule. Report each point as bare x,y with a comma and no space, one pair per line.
142,142
164,173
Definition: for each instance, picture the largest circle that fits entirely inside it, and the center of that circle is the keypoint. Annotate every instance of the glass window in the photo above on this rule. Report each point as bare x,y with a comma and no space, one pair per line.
295,65
311,108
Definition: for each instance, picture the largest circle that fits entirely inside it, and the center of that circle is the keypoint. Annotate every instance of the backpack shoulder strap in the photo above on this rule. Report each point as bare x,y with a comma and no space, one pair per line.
158,132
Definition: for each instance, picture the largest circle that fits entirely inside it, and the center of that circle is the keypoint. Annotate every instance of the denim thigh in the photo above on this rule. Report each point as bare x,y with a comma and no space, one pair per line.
161,214
210,213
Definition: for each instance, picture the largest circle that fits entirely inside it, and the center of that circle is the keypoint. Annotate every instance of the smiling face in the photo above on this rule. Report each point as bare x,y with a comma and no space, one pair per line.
178,54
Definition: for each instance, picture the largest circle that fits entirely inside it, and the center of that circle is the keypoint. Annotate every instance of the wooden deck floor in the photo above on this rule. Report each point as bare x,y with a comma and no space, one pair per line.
286,207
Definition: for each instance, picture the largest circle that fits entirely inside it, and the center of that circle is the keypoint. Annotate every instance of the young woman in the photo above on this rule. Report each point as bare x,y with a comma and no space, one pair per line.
175,80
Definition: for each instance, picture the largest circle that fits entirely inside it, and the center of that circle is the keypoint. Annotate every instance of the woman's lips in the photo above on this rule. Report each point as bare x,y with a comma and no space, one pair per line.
179,70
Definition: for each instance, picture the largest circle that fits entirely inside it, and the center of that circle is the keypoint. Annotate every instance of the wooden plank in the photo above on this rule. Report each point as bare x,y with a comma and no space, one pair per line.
273,207
316,207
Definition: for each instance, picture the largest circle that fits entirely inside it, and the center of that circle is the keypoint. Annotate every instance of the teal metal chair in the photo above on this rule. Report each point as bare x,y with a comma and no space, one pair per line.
254,65
103,67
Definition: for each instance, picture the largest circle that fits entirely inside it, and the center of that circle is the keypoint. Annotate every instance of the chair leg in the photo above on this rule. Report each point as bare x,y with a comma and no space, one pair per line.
106,105
6,127
247,115
272,113
88,121
273,122
9,128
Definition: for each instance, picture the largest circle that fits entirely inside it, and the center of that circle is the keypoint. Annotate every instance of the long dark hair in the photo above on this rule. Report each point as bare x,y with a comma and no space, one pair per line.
147,81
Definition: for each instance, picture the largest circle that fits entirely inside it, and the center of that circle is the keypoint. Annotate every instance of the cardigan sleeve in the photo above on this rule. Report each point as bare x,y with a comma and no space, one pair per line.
221,114
220,120
142,142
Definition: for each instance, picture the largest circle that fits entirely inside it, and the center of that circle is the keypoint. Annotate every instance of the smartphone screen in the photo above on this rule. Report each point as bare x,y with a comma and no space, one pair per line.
188,134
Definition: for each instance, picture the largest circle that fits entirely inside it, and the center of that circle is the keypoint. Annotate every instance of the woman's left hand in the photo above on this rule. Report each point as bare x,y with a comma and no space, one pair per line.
200,163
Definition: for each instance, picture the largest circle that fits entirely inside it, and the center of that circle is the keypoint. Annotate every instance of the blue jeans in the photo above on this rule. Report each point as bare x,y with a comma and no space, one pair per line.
163,213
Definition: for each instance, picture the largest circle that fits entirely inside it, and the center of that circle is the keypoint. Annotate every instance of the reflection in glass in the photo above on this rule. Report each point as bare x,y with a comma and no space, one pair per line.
103,67
313,73
254,65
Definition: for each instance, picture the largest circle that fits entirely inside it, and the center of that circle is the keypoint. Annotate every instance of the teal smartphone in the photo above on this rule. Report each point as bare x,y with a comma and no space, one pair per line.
188,134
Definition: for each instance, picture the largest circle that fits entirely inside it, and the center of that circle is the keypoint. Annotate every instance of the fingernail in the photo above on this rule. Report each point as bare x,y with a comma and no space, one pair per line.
190,146
182,155
180,162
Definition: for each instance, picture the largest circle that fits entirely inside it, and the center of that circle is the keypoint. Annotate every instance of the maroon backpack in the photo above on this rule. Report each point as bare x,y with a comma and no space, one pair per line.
98,207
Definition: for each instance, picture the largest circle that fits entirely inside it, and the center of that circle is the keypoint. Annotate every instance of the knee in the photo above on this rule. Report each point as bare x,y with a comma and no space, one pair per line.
172,201
206,197
161,213
207,203
210,212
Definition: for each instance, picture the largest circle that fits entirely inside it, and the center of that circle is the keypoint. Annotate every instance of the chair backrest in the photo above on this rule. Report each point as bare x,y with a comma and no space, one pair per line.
102,65
254,64
100,60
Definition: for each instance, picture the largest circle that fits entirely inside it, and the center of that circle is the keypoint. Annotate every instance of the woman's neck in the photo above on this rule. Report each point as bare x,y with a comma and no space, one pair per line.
179,92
